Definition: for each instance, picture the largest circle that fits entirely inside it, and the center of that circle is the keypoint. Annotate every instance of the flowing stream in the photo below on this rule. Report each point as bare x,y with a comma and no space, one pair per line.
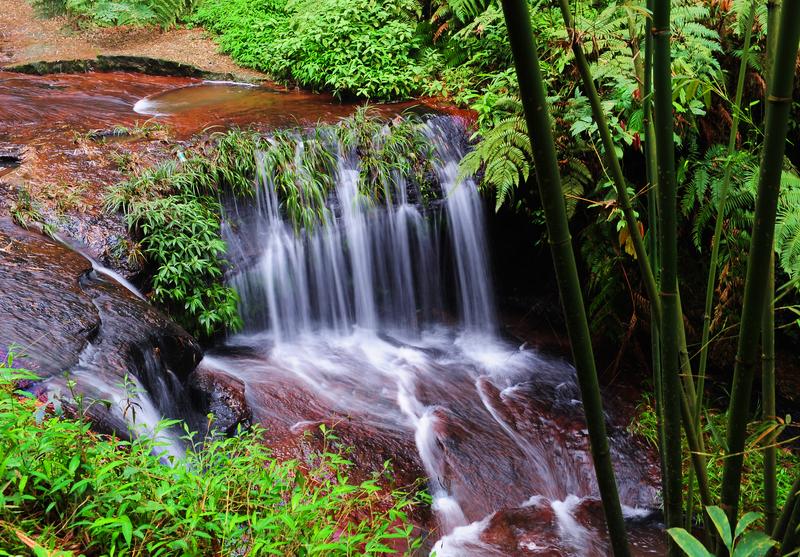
351,320
380,322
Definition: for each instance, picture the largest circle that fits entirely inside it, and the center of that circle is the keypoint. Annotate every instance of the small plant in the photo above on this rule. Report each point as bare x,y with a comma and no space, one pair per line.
737,540
66,491
23,210
26,212
63,196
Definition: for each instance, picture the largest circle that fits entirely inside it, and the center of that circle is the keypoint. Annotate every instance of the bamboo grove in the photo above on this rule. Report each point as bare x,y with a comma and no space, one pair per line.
678,378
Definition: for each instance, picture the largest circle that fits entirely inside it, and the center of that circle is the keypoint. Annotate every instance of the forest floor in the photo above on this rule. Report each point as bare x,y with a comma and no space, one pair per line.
24,38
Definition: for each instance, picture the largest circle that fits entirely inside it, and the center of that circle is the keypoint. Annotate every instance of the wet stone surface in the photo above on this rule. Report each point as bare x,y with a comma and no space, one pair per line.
59,316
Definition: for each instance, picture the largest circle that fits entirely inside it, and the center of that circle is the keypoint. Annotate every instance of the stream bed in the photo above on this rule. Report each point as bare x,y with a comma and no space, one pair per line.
381,324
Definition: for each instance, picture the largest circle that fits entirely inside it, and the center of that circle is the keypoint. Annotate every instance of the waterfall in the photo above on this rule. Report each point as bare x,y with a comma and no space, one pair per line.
381,317
375,266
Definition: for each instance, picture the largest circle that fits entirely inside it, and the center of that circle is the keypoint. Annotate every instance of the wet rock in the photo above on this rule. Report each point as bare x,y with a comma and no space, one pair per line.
137,64
45,317
60,317
10,156
223,396
527,531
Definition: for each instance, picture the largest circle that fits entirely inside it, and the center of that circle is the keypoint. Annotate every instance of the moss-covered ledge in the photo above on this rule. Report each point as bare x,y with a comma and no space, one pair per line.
137,64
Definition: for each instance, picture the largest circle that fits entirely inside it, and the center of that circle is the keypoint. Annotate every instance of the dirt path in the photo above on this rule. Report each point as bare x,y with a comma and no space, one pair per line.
26,38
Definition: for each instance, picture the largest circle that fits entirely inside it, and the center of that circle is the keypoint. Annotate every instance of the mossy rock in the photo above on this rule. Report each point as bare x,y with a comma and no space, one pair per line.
136,64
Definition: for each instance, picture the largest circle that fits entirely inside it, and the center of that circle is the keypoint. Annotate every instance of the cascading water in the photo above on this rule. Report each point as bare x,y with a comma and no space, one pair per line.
348,321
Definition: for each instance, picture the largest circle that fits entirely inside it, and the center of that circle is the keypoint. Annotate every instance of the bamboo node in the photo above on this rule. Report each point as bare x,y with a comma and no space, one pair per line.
567,240
782,100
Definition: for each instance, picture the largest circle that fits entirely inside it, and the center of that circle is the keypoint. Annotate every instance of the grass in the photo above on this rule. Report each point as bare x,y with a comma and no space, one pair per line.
788,465
67,491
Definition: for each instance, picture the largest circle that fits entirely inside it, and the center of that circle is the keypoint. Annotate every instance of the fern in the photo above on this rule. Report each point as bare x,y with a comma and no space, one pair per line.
503,153
787,229
165,13
462,10
701,198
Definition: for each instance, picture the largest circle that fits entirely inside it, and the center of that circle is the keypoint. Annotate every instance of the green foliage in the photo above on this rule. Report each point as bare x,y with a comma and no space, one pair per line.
644,424
181,237
699,202
165,13
65,487
389,153
738,541
300,168
504,157
300,165
361,48
175,209
504,153
25,210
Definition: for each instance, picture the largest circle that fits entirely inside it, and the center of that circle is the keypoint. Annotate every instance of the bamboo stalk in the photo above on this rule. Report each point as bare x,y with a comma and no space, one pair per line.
786,513
532,93
791,537
655,251
665,151
768,399
694,438
723,199
768,325
773,13
761,247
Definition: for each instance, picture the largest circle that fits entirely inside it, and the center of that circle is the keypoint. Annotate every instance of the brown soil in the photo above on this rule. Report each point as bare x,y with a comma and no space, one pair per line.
25,38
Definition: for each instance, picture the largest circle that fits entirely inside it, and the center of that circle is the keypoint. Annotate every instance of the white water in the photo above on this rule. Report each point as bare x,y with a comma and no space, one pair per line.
99,267
351,318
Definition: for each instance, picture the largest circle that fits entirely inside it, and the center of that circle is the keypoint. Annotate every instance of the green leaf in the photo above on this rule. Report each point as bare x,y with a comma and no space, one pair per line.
127,528
688,543
754,544
720,520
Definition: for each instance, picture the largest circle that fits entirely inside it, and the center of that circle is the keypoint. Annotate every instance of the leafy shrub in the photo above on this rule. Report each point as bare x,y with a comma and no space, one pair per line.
165,13
246,29
363,48
175,209
65,487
